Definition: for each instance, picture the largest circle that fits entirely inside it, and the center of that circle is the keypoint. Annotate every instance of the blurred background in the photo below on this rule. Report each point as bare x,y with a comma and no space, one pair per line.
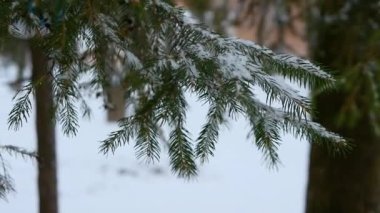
343,36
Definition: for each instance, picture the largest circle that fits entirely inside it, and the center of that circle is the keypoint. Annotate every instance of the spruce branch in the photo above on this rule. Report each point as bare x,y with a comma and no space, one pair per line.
66,93
181,153
147,145
6,181
18,151
157,54
21,110
267,138
118,138
6,186
208,136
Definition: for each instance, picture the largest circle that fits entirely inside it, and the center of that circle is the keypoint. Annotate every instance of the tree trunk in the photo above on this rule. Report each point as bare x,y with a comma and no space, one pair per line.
47,164
349,184
344,184
117,101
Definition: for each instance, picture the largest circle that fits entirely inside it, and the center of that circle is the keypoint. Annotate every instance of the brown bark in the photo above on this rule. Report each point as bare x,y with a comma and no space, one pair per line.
348,184
47,164
117,101
344,184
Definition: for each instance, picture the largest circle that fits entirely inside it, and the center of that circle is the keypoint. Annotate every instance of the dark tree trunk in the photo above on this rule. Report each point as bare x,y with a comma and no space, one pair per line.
344,184
349,184
47,164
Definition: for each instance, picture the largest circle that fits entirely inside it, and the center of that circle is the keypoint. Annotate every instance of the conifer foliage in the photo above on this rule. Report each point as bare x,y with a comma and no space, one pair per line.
158,54
6,183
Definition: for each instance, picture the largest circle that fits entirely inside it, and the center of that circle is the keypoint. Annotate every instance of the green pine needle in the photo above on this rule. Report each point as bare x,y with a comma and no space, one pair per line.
157,54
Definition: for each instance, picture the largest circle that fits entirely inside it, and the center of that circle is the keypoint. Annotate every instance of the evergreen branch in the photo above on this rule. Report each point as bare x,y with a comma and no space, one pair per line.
234,64
210,131
277,90
6,182
17,151
68,118
181,153
85,108
158,54
180,150
266,121
312,131
6,186
21,110
295,69
127,131
147,144
304,74
65,93
266,133
264,129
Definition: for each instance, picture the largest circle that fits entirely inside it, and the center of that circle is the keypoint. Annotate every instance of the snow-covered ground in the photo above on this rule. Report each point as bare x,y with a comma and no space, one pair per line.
236,180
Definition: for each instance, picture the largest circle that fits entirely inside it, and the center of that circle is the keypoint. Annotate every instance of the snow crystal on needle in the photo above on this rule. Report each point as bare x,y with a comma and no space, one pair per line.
234,64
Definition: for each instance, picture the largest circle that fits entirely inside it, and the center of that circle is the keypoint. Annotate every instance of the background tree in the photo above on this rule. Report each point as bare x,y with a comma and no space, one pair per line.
17,51
45,128
75,37
345,36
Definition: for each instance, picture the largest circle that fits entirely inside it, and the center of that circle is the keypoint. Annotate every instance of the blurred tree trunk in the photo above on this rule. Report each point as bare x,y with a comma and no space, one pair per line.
340,39
47,164
117,100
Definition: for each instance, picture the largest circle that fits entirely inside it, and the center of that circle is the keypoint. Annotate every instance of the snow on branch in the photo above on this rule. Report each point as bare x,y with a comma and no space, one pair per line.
160,55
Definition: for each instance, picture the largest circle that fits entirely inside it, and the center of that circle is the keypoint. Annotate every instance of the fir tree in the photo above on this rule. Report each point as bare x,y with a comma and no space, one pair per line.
160,55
